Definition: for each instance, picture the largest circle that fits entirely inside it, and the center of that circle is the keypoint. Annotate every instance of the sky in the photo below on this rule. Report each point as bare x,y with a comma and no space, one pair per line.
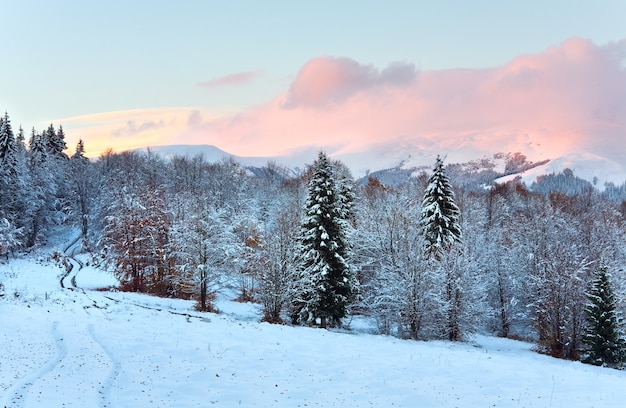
266,78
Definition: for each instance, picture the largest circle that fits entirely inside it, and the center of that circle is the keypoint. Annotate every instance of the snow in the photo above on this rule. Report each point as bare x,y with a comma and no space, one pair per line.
589,161
81,347
587,166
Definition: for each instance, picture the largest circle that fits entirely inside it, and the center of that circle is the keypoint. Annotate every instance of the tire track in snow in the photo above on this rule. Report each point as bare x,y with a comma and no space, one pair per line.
104,393
72,266
75,377
22,389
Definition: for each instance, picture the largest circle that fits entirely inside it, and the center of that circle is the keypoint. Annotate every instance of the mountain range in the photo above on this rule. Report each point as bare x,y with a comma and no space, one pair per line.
394,163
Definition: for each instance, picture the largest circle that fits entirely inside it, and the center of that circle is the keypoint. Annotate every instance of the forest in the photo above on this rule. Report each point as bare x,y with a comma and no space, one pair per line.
439,256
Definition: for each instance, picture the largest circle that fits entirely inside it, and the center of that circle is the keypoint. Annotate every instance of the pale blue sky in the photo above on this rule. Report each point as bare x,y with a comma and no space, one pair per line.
67,58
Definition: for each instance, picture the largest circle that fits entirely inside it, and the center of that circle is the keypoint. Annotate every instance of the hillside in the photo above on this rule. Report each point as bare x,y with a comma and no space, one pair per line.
81,347
395,164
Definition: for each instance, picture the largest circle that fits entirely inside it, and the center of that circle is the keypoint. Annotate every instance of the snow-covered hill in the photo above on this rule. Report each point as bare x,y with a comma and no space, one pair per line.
295,160
596,169
80,347
403,160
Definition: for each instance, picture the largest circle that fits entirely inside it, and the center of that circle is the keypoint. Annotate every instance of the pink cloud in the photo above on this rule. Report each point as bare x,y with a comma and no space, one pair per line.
239,78
571,96
325,80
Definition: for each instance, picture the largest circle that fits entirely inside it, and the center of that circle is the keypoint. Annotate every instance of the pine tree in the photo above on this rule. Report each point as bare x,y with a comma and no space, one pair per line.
43,187
12,187
325,285
440,214
79,153
441,229
37,148
55,142
7,139
81,184
603,338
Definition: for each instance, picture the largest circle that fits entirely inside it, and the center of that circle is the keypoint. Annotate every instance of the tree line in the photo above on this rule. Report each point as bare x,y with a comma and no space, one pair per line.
426,259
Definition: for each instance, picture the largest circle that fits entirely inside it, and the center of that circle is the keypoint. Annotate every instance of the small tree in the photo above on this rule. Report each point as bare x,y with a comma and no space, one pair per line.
279,260
206,248
603,338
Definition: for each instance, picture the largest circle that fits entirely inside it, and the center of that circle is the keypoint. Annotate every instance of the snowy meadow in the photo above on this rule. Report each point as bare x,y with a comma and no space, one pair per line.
82,347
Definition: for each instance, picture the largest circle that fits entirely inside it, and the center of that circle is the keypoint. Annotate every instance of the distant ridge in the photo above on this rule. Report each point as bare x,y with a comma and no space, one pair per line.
395,165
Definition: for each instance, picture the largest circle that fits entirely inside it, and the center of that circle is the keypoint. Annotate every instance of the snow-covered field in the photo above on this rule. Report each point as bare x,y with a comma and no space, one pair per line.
78,347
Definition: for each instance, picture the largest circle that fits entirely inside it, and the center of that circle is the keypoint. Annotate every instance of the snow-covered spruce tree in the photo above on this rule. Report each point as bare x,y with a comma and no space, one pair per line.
603,339
43,189
9,187
324,285
442,230
440,214
55,142
7,139
81,187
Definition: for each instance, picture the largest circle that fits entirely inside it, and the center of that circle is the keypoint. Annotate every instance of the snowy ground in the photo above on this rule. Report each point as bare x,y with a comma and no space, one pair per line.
77,347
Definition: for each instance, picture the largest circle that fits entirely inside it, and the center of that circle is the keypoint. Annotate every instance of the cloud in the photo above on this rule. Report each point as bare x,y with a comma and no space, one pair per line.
571,96
240,78
326,80
131,128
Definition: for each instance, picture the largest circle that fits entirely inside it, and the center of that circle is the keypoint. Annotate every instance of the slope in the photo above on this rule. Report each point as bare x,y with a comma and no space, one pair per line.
67,348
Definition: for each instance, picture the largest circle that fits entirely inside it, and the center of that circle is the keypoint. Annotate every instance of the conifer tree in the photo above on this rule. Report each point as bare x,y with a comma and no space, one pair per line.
440,214
37,148
8,231
7,139
81,185
325,285
603,338
441,228
43,187
55,142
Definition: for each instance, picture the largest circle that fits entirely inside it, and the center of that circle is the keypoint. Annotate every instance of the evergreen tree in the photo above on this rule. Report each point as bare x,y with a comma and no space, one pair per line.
12,186
603,338
441,228
37,148
79,153
8,151
81,186
440,214
7,139
20,147
43,189
325,285
55,142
